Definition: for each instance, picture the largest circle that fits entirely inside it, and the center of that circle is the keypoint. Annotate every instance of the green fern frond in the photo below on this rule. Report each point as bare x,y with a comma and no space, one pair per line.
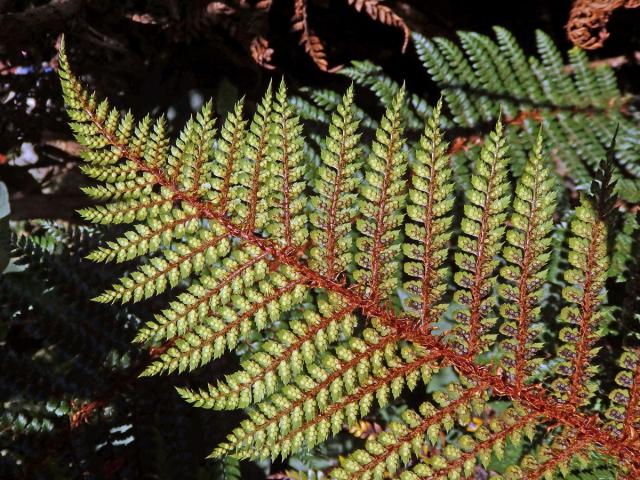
429,208
251,252
229,151
250,180
286,196
382,201
527,254
483,230
340,388
396,447
223,329
335,204
280,360
589,259
578,104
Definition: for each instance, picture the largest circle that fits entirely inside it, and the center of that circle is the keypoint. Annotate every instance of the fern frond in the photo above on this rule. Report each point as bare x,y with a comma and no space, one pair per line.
383,14
429,207
222,330
483,230
336,199
383,199
527,254
328,333
578,104
244,268
317,404
287,198
174,265
280,360
149,238
229,151
250,181
590,262
384,454
312,43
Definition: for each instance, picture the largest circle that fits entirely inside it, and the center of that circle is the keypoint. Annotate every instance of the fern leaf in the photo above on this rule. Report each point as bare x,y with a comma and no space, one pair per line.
222,226
229,151
279,360
527,253
590,262
397,445
287,198
149,238
336,187
483,229
429,207
244,268
317,404
250,182
383,199
222,330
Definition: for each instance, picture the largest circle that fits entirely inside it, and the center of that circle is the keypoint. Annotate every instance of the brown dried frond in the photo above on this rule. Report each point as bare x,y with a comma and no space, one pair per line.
587,26
262,52
312,43
365,429
384,14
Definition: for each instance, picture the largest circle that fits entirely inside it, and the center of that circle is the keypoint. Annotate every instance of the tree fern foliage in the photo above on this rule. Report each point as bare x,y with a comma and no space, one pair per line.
345,290
481,77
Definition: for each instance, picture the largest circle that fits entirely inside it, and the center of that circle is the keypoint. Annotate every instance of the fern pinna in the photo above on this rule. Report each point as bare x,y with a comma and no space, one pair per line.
335,290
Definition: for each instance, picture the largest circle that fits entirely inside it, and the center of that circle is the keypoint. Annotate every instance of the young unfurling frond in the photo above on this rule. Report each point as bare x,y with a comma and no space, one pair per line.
298,270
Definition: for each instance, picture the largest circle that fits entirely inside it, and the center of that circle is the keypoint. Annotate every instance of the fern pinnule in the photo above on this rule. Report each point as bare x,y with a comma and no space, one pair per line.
483,230
557,84
519,63
168,269
429,206
527,254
